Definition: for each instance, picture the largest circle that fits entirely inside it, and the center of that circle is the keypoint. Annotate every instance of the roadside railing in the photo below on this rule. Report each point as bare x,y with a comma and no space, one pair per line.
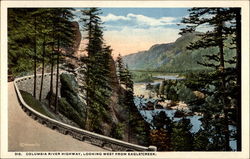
80,134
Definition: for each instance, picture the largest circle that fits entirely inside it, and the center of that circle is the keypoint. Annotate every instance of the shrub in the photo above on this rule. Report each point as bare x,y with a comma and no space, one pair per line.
117,131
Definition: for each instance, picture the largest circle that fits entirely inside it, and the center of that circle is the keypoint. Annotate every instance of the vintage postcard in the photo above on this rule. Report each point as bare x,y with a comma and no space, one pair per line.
125,79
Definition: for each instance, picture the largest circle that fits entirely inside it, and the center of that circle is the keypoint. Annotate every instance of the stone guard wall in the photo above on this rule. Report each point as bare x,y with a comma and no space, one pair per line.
26,84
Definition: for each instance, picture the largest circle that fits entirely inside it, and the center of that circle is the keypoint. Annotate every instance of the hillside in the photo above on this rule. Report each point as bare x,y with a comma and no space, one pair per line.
171,57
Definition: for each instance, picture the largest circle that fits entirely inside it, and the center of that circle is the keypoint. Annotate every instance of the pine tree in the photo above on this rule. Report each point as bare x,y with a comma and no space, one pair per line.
23,39
39,31
96,72
234,31
120,68
161,132
125,79
218,101
181,137
44,36
19,41
63,35
56,33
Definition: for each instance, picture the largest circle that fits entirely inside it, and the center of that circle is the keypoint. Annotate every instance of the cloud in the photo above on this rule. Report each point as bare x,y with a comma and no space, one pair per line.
112,17
139,20
144,20
134,32
131,40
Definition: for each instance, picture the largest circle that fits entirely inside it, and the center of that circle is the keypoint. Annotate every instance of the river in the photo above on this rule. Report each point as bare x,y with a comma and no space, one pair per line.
140,90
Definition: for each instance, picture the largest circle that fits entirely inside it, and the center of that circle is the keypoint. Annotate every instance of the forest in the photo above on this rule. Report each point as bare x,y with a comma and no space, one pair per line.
97,93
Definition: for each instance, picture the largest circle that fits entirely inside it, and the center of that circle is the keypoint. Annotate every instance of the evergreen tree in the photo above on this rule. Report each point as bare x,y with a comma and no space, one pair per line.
33,32
18,41
64,35
120,69
237,30
234,30
217,83
182,138
96,72
44,36
23,39
162,128
125,79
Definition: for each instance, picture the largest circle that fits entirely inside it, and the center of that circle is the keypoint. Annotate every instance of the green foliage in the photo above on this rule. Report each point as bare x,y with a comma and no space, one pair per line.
37,37
31,34
125,77
19,40
161,120
216,85
33,103
137,127
182,138
175,90
168,135
142,77
96,71
66,109
117,131
201,140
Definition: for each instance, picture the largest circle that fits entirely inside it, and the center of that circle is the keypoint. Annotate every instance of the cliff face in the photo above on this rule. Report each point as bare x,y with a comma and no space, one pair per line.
73,50
122,113
117,111
77,37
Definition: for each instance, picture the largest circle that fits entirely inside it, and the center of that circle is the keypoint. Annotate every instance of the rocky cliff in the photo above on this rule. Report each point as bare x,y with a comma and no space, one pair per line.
118,111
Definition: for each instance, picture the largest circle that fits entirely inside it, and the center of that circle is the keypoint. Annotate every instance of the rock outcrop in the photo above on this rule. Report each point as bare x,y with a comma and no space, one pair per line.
70,103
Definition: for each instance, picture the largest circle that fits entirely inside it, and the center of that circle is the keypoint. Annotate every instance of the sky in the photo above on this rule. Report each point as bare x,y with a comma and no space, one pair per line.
129,30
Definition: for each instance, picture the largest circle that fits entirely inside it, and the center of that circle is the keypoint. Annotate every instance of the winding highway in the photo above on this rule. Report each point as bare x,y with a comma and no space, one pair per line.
26,134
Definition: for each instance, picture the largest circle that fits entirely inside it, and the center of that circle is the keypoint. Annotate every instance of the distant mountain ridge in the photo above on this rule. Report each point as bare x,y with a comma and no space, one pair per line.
158,55
173,57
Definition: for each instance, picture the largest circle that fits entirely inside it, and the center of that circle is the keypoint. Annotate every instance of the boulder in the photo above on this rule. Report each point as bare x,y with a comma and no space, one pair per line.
179,114
67,110
69,91
158,106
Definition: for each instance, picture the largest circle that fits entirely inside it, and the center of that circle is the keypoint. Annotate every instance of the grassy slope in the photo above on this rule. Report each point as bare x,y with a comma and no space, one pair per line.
34,103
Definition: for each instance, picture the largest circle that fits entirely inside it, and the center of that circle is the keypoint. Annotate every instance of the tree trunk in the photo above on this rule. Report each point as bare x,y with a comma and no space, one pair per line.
35,61
43,65
51,71
238,69
87,98
222,67
129,131
57,74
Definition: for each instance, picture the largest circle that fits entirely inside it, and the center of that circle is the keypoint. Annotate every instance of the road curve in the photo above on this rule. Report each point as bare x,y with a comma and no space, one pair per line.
26,134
